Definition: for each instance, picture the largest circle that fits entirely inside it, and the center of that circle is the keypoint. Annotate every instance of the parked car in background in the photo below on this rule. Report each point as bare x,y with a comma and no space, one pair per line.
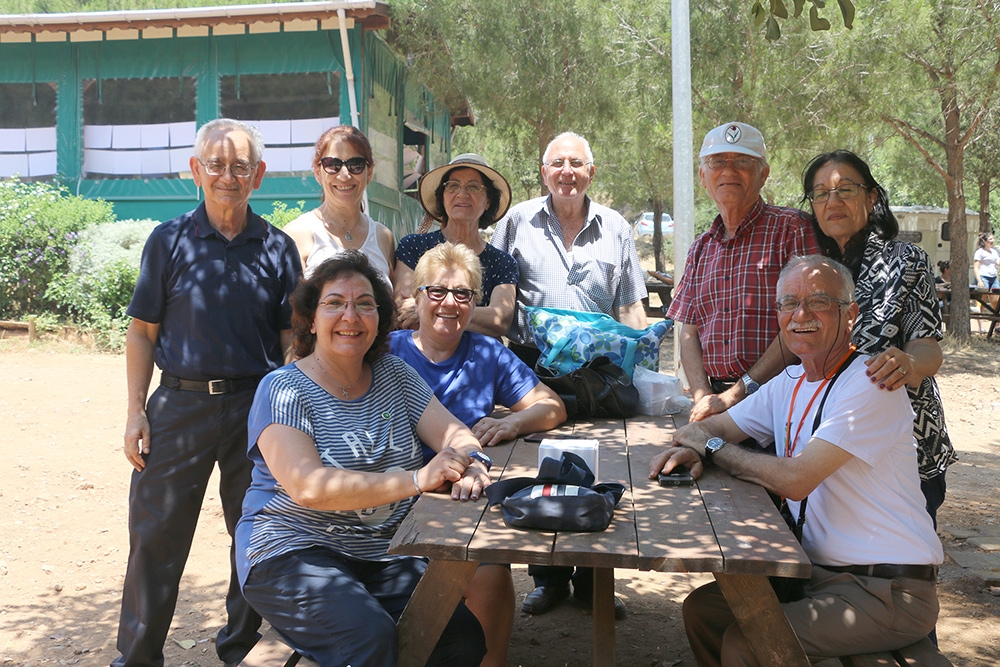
644,225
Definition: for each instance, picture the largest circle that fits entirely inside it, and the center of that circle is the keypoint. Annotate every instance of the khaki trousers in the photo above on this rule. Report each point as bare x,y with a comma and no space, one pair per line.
842,614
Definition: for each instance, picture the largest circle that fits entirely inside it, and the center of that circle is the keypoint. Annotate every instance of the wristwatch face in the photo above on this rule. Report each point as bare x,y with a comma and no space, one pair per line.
712,446
482,458
749,384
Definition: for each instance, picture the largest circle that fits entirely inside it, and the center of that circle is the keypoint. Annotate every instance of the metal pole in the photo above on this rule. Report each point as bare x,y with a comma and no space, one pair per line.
680,51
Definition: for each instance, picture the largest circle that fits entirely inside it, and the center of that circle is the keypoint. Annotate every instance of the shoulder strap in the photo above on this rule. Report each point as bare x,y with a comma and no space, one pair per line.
843,367
569,469
816,422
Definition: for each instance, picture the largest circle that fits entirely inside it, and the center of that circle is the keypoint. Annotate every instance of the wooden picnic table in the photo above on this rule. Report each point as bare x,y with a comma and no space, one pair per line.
988,310
720,525
664,291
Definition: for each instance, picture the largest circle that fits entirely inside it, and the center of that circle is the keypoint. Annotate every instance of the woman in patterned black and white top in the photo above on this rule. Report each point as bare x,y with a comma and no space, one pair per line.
335,441
900,320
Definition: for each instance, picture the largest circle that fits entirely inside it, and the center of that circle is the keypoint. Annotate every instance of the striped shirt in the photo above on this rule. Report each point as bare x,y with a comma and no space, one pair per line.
600,272
375,433
728,286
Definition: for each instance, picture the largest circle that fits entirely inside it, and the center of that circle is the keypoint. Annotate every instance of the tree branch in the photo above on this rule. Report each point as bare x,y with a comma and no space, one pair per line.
904,130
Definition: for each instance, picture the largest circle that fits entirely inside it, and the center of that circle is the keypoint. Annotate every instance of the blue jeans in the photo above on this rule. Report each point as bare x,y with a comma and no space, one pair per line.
342,611
989,281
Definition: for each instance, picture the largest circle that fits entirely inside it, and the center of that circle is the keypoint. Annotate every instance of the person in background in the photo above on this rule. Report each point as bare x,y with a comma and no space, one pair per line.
571,253
334,440
942,284
985,262
724,296
211,310
343,166
465,196
471,374
984,265
874,551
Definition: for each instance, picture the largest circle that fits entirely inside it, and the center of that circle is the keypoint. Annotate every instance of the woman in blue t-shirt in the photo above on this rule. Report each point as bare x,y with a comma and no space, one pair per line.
465,196
470,374
335,442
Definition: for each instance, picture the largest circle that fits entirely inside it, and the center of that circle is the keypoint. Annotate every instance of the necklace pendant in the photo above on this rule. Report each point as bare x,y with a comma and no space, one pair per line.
347,394
348,237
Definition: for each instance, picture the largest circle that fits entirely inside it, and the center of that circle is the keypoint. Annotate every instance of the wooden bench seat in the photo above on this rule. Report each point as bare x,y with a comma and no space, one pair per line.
272,651
921,654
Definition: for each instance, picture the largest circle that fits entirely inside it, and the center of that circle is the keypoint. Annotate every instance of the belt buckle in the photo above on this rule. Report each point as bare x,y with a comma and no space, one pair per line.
216,387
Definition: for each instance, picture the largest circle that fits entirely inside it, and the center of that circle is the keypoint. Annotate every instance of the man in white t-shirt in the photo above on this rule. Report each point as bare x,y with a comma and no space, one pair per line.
872,544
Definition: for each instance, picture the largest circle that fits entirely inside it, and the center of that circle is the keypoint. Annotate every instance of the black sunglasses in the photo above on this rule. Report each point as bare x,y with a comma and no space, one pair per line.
333,165
438,293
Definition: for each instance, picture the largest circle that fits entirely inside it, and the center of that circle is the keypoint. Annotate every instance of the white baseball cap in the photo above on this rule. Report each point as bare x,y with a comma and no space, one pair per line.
734,138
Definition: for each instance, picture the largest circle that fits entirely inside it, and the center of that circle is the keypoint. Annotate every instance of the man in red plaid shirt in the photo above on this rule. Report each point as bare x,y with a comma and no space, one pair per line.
725,299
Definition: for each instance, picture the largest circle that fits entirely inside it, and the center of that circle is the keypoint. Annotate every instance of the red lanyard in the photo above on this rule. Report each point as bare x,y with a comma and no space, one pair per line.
789,442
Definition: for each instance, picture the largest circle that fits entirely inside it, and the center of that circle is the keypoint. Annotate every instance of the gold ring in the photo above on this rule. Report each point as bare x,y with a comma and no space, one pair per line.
900,370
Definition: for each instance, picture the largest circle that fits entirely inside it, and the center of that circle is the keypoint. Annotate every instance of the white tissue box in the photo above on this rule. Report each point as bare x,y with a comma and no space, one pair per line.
585,449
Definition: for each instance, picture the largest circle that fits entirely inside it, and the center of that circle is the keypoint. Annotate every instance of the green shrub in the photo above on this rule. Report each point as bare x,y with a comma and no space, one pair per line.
282,215
100,279
39,226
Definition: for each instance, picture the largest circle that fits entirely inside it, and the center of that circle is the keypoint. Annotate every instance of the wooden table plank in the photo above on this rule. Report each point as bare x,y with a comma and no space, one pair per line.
495,542
430,608
751,533
439,527
673,529
603,631
764,624
616,546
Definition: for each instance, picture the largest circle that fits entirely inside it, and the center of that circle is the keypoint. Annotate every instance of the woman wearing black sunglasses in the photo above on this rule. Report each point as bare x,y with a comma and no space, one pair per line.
343,165
464,196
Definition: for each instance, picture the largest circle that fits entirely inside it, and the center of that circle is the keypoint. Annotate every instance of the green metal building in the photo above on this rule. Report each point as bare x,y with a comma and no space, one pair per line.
109,102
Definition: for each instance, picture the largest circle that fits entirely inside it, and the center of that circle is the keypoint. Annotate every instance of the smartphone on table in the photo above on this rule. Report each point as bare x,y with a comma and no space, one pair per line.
679,476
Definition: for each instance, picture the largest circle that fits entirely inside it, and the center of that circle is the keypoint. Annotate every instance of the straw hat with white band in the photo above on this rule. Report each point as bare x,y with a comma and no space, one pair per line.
432,180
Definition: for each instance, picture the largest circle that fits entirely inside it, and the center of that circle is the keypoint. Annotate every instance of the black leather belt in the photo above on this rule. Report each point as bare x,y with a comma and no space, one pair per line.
213,387
922,572
719,385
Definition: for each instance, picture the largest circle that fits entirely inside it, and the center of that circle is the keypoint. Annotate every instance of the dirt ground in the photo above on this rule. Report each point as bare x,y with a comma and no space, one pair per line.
63,545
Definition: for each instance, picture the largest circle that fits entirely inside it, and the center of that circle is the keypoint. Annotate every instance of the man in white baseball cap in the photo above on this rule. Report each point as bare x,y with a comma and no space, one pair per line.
725,299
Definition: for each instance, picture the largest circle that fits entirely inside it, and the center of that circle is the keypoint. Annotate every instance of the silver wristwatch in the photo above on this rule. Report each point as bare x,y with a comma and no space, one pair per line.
749,384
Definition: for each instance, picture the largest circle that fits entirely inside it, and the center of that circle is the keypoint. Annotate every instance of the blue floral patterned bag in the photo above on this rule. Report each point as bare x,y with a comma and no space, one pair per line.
567,339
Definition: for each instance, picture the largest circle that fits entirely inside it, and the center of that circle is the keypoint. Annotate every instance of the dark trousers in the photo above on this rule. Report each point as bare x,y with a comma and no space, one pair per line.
343,611
934,491
561,575
189,433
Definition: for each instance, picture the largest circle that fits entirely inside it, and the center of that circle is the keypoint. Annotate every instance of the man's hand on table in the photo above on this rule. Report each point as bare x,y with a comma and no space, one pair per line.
670,458
708,405
492,431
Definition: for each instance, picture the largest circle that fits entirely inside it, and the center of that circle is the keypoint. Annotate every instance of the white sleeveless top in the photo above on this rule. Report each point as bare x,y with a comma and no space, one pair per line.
325,246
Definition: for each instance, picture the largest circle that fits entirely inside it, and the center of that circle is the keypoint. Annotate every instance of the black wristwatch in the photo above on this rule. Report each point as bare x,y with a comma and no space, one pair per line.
482,458
712,446
749,384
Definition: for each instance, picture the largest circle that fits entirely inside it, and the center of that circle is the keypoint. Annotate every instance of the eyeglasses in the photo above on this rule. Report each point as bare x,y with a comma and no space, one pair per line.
575,163
217,168
472,188
846,190
438,293
336,306
333,165
743,163
816,303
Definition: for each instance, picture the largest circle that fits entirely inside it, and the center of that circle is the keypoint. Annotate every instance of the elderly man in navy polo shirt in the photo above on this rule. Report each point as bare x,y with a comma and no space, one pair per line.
211,310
